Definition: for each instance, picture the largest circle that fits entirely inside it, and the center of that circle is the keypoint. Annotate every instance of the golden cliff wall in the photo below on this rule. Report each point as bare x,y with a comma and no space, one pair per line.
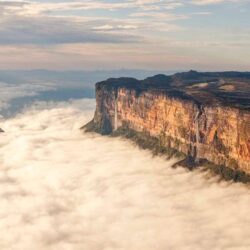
219,134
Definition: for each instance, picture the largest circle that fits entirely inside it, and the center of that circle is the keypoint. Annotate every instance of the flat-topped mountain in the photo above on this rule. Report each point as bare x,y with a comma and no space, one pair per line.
202,116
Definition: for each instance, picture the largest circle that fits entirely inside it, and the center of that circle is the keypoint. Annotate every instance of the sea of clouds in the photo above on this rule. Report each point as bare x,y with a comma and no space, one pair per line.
62,189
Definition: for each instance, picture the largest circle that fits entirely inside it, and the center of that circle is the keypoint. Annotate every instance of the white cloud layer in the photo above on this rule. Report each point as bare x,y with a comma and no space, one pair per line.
13,91
62,189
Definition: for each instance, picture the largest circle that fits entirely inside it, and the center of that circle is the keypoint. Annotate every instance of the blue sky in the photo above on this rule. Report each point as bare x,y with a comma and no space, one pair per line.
114,34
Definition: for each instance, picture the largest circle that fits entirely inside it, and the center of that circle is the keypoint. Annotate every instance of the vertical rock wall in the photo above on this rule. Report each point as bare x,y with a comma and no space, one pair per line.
219,134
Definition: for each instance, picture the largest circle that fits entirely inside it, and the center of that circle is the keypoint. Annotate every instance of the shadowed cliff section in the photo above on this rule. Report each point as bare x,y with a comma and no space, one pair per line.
203,117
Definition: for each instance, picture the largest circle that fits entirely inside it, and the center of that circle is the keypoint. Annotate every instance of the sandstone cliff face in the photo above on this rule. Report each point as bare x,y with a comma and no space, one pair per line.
217,133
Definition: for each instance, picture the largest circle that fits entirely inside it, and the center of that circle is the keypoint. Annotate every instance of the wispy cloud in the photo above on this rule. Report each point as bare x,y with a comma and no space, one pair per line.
34,7
108,27
208,2
45,31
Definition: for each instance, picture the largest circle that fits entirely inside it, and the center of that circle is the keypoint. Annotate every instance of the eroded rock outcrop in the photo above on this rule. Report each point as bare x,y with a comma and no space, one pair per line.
202,115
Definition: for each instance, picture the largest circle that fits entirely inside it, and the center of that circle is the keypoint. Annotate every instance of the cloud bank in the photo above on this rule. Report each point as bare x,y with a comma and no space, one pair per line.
63,189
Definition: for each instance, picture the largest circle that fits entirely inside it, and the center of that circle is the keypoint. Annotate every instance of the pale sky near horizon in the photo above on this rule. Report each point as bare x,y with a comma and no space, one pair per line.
114,34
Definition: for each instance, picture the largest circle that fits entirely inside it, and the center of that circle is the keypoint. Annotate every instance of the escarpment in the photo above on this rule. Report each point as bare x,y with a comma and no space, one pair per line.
205,116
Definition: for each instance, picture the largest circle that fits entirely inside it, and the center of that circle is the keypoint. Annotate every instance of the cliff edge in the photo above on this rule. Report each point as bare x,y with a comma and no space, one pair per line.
203,116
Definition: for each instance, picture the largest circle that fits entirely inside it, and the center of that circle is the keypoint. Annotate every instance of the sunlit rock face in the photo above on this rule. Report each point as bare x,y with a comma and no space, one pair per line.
194,113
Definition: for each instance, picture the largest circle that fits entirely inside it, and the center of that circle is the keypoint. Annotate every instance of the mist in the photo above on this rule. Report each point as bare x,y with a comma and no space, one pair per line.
62,188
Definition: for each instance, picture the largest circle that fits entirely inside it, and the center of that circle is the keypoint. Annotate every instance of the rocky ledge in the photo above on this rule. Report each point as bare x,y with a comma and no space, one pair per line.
201,117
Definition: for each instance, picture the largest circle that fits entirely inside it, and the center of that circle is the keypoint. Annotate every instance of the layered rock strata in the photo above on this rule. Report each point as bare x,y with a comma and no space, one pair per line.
202,115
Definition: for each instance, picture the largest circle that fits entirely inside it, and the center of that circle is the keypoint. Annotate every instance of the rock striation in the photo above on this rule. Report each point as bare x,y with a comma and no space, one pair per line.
204,116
